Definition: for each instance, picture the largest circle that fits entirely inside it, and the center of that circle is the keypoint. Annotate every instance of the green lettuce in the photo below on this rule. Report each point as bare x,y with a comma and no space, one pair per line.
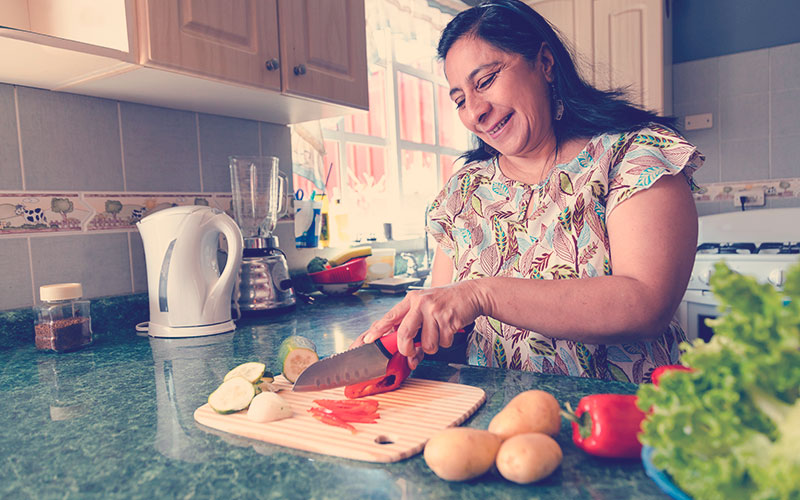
731,428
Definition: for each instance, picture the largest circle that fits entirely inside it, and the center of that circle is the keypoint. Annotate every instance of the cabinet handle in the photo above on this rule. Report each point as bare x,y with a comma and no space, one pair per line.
273,64
300,69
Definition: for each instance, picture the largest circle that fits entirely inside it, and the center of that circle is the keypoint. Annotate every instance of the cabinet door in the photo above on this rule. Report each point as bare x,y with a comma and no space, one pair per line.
630,50
323,50
573,20
230,40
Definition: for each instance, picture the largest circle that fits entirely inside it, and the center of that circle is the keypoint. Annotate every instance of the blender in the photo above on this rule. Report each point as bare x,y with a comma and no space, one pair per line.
259,200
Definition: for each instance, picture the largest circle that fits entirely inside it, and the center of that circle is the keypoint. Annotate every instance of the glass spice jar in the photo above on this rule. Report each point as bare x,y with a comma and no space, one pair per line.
63,320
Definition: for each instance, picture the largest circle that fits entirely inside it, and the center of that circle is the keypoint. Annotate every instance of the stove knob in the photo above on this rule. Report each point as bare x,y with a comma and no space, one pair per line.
776,277
704,276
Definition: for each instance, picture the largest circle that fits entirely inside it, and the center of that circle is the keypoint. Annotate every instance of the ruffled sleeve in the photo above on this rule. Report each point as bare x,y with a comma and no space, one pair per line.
645,157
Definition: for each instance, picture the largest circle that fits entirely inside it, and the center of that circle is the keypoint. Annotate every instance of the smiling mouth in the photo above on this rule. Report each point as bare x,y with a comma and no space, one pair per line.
497,128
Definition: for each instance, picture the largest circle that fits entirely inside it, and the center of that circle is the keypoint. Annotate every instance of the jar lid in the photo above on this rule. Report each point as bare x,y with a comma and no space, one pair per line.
60,291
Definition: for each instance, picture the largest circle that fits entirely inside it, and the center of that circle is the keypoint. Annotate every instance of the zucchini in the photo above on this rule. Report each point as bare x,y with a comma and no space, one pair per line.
252,372
232,395
295,354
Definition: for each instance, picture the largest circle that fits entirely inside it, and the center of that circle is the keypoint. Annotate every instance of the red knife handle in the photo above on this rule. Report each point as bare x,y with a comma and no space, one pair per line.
388,343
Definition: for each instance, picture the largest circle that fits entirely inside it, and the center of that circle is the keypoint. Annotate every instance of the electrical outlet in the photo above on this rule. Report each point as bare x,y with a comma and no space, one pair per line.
752,198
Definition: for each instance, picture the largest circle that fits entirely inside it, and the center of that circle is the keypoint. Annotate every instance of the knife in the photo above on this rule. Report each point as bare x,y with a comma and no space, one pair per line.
361,363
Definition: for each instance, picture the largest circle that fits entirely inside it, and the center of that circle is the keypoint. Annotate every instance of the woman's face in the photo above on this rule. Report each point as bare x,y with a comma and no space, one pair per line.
500,96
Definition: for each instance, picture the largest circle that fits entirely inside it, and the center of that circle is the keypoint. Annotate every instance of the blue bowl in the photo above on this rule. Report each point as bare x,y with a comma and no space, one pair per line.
660,477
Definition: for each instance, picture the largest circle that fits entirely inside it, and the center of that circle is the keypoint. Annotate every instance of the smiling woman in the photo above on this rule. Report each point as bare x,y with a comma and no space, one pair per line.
564,177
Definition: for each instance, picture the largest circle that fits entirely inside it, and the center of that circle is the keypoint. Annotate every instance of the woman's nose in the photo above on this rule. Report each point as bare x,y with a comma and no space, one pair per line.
477,108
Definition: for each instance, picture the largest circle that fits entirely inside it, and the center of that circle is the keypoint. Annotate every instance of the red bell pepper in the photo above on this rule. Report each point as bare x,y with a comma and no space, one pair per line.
607,425
396,372
661,370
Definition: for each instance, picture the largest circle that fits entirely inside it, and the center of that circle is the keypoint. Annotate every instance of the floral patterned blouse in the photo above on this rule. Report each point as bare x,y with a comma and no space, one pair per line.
478,220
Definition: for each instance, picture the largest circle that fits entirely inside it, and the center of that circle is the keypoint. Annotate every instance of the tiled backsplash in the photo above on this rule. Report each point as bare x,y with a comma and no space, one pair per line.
754,98
76,173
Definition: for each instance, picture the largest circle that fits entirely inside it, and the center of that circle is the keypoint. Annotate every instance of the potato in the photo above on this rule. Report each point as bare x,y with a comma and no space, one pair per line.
529,411
461,453
526,458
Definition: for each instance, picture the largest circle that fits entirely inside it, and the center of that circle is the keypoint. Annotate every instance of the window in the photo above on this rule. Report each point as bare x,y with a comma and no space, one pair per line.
387,164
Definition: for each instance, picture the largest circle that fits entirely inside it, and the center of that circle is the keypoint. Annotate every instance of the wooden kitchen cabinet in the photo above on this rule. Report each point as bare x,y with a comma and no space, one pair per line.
324,52
281,61
619,44
633,49
232,40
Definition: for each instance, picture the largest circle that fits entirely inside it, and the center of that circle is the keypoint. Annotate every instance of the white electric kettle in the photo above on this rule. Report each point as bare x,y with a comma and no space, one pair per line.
189,296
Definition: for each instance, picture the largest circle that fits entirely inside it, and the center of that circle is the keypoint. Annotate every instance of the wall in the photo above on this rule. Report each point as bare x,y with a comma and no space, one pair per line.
712,28
754,98
89,150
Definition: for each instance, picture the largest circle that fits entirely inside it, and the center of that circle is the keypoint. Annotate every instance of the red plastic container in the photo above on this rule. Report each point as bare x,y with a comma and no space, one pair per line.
351,271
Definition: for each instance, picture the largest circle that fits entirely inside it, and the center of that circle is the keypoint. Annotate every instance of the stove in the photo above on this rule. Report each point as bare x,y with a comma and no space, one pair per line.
760,243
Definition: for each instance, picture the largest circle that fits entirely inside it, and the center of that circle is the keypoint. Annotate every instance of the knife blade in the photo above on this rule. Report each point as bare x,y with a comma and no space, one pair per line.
361,363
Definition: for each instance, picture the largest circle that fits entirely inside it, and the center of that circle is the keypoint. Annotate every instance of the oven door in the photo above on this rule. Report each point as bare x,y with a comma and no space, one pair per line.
696,307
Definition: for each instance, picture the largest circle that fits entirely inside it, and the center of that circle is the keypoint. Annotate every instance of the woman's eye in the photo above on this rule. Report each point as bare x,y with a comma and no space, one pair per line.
459,103
486,81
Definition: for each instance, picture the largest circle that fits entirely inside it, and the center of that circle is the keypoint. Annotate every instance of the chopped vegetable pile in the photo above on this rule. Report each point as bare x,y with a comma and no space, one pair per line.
341,413
730,428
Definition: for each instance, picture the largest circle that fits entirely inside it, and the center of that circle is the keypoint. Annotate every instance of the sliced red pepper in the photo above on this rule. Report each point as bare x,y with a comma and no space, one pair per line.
396,372
655,377
607,425
332,420
365,405
362,419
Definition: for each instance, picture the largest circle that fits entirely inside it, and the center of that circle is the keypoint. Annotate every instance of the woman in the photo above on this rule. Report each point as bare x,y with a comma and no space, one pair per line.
569,235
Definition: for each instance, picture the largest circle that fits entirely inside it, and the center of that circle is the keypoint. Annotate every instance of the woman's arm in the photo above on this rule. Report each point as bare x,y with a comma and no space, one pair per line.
652,237
442,269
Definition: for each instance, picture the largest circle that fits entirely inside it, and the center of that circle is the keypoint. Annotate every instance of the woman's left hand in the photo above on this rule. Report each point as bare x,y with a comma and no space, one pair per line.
439,311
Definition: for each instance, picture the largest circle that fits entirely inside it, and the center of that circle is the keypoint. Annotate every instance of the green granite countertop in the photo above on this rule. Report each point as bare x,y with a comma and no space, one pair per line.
114,420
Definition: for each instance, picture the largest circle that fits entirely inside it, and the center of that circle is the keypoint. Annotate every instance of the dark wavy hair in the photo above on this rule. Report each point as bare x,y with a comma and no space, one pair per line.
514,27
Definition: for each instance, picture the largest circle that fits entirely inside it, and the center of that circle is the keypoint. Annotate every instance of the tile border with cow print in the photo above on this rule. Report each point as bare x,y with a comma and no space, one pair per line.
26,213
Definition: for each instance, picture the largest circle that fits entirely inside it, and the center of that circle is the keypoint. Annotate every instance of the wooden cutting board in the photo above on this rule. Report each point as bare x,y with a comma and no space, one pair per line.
409,416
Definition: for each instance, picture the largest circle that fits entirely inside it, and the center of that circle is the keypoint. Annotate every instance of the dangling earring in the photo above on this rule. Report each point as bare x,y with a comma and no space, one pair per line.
558,104
490,150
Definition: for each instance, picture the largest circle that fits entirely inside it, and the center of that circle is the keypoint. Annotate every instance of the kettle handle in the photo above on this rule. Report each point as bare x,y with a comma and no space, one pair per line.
233,236
283,205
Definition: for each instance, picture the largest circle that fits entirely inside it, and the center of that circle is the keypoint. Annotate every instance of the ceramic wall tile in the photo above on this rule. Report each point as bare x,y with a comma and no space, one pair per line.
785,113
745,160
138,263
101,262
16,289
160,149
744,73
785,156
221,137
785,67
69,142
276,141
744,116
696,81
708,208
707,142
31,212
10,172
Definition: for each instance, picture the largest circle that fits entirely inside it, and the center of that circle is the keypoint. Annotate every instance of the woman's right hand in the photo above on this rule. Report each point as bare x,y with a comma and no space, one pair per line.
439,311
